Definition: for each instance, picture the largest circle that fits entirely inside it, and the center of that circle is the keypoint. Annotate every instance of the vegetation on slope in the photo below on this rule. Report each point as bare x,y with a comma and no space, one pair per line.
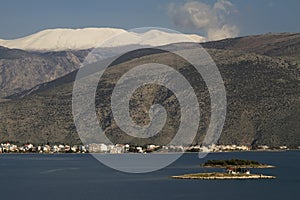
263,102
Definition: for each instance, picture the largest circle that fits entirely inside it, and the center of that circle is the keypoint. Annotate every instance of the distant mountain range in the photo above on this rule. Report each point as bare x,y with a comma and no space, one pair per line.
86,38
261,75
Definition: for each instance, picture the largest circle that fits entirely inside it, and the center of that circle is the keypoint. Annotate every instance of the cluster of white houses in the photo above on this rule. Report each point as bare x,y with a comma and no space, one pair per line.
219,148
62,148
121,148
27,148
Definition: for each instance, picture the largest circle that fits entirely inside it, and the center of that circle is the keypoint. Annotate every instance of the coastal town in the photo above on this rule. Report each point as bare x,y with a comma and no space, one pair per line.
8,147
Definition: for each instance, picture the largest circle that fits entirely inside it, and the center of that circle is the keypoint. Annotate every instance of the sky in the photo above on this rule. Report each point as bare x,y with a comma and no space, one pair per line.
211,18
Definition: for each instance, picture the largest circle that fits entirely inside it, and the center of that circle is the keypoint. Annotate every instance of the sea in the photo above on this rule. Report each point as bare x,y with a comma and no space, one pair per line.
81,176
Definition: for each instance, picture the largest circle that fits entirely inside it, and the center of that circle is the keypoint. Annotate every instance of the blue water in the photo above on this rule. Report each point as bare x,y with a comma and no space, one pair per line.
80,176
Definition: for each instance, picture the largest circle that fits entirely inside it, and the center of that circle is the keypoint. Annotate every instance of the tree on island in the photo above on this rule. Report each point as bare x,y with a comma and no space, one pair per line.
231,162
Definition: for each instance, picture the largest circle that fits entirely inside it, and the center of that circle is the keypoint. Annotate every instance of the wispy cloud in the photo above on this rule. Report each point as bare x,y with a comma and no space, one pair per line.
203,17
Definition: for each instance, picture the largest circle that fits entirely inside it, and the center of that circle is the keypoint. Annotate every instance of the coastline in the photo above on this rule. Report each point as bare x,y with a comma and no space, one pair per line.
213,152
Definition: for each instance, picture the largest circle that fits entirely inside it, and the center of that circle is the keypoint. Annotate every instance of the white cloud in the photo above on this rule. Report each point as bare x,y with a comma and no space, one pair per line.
226,31
203,17
225,6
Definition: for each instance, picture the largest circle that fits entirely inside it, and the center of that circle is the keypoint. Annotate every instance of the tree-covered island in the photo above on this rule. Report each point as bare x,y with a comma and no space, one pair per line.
235,169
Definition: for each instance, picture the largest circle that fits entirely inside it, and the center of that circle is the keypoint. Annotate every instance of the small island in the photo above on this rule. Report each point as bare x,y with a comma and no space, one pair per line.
235,163
222,176
235,169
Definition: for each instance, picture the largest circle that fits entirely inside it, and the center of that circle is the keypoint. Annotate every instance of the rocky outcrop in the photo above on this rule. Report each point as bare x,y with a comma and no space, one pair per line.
22,70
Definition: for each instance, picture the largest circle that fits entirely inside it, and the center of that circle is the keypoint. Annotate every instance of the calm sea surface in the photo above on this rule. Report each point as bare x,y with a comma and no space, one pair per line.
72,176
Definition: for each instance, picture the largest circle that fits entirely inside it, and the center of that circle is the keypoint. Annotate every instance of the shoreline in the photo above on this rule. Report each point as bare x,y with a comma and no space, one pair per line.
214,152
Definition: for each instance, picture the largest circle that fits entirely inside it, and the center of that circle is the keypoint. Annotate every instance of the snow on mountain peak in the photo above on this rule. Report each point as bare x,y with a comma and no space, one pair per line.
75,39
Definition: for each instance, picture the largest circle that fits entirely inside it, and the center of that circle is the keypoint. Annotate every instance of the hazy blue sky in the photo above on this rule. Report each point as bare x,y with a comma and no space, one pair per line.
20,18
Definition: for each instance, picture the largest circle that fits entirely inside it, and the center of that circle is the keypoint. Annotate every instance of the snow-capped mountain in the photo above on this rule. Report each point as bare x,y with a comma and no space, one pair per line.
75,39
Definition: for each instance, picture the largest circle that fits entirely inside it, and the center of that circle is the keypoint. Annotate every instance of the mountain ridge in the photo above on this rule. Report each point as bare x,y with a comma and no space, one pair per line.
86,38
